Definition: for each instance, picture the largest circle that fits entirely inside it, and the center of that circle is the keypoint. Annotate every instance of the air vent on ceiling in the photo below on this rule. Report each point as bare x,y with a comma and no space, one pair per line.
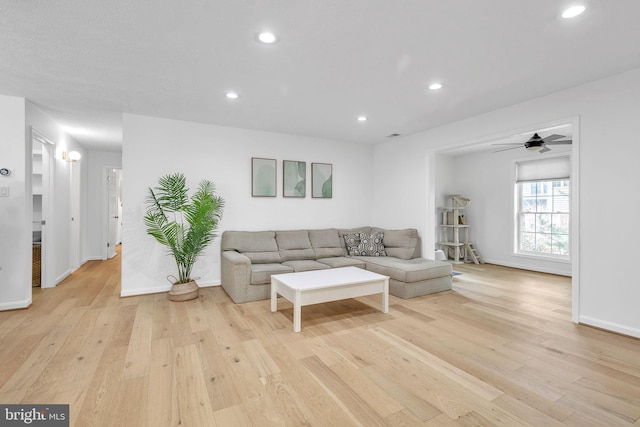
393,135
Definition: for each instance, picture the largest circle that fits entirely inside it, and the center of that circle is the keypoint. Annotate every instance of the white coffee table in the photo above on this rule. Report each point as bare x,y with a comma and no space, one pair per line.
314,287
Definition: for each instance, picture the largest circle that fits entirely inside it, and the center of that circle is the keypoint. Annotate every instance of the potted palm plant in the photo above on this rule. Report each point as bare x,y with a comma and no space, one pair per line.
185,225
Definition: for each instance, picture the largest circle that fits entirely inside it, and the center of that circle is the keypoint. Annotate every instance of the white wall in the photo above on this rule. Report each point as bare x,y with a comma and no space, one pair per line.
488,180
608,152
96,162
446,181
15,220
154,147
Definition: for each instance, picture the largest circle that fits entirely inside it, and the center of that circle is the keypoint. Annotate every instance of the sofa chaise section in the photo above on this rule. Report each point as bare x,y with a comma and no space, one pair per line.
413,277
409,275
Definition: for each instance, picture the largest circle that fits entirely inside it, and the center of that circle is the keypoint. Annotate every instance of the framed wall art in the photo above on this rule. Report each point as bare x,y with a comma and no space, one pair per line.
263,177
294,178
321,180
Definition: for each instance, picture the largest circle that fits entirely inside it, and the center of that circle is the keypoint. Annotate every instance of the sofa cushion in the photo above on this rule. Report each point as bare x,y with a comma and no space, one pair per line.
295,239
305,265
326,243
328,252
249,241
342,232
342,261
328,238
409,270
297,254
370,245
294,245
263,257
400,243
352,240
261,273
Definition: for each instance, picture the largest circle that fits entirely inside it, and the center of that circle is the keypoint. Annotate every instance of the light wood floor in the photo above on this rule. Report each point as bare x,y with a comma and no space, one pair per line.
499,349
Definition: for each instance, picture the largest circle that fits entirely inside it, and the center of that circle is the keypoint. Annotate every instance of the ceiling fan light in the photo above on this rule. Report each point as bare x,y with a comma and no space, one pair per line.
535,148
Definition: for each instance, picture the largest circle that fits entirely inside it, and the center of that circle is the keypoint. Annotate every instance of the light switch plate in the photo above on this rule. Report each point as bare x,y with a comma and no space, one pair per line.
4,191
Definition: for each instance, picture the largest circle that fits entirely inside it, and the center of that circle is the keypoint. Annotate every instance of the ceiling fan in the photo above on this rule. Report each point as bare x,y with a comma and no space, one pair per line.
536,143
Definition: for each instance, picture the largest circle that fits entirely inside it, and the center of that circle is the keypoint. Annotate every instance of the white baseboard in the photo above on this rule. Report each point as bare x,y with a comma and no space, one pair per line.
62,277
209,283
91,258
527,267
15,305
610,326
157,290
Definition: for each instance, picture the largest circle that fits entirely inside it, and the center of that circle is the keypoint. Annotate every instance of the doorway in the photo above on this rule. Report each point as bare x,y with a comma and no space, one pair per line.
42,149
113,211
473,159
74,185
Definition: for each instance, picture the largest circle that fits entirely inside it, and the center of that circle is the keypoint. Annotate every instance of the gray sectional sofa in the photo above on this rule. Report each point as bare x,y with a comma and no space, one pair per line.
249,258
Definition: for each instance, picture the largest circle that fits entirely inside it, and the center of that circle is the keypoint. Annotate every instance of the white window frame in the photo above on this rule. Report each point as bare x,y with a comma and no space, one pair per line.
516,213
518,222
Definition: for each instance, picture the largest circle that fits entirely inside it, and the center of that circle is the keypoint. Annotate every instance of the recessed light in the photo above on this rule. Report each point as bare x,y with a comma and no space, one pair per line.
362,118
573,11
267,37
435,86
232,95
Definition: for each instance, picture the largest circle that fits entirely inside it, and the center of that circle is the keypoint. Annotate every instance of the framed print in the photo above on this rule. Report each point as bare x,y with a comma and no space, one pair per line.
321,180
263,177
294,178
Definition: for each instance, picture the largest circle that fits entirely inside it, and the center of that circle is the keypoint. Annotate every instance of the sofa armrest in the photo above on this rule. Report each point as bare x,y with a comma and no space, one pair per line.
235,258
236,275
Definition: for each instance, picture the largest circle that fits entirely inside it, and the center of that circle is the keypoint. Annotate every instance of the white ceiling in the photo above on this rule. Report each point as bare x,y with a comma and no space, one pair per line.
88,61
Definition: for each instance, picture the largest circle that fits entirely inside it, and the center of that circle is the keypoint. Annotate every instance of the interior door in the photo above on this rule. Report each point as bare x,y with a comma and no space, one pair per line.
74,178
112,198
41,166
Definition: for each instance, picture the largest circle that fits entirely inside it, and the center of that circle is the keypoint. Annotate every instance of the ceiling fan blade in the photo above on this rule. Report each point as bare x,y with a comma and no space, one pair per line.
552,137
566,141
506,149
510,143
544,150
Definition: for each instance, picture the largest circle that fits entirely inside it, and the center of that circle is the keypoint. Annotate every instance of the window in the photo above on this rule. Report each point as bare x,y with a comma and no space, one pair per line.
543,208
544,217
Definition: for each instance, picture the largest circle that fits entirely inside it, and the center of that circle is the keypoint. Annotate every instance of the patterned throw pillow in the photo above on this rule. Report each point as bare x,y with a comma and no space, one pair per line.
352,240
371,245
